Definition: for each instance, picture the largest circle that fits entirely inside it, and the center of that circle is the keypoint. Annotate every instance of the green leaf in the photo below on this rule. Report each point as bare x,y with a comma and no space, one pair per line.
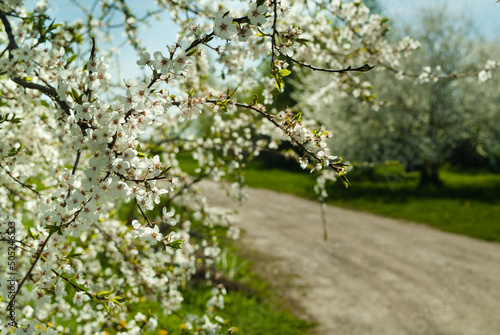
105,304
344,179
118,300
298,117
70,60
15,151
30,234
230,93
165,171
54,229
254,100
302,41
365,68
284,72
223,105
339,163
76,97
192,52
175,244
104,293
278,80
73,254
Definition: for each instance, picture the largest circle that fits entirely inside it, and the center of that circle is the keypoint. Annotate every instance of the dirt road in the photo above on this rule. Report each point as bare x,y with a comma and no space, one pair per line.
375,275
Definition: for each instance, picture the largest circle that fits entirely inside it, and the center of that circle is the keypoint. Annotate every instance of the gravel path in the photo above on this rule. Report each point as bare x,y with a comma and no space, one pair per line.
375,275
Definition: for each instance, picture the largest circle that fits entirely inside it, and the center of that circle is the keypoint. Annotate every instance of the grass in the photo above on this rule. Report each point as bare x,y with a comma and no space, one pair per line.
251,305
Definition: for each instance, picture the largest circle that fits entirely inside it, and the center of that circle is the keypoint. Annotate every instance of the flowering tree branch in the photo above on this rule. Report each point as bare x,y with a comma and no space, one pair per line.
93,149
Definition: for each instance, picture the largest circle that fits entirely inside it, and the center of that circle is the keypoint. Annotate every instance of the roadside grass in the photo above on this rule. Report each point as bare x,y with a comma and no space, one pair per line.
467,203
251,305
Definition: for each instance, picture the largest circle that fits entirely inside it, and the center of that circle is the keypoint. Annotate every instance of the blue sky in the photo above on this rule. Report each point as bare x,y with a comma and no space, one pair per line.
484,13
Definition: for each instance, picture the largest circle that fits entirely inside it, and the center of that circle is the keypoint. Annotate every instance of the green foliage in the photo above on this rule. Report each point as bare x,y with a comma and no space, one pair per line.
278,77
71,60
9,117
247,310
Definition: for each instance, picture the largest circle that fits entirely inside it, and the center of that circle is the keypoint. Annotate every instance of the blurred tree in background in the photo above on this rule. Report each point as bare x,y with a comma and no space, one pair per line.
422,123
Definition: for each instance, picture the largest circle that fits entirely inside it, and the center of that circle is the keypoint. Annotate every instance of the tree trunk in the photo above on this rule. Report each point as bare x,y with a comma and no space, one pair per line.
429,175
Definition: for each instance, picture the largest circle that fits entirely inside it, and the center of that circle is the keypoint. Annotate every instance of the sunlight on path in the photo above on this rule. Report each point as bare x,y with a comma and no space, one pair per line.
375,275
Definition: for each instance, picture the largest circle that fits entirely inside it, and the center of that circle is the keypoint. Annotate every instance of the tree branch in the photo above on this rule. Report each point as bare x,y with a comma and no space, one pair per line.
18,181
270,118
28,274
363,68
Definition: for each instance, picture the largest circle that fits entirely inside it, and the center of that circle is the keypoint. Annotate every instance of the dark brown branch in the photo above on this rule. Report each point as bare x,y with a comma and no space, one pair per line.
186,8
199,41
18,181
77,160
8,29
47,90
186,186
39,254
142,212
363,68
76,287
273,40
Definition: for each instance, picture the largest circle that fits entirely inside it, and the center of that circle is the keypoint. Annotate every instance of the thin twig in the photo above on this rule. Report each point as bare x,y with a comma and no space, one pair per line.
39,254
142,212
18,181
186,186
363,68
273,40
